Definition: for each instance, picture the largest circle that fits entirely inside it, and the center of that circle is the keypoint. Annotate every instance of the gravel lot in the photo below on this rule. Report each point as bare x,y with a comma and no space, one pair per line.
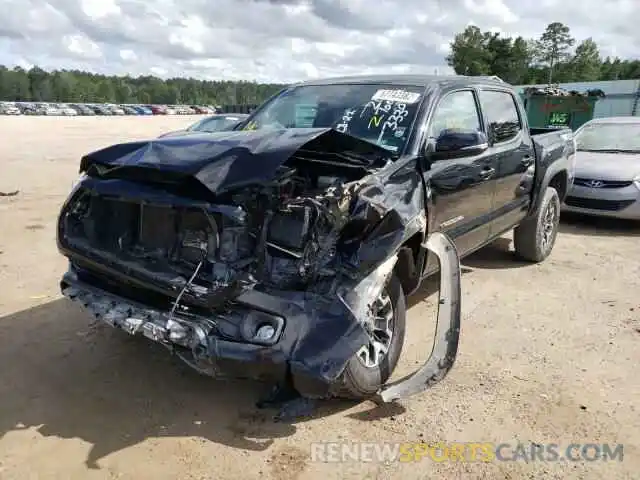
548,354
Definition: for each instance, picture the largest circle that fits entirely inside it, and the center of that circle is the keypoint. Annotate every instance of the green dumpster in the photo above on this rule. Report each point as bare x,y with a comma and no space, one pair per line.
554,111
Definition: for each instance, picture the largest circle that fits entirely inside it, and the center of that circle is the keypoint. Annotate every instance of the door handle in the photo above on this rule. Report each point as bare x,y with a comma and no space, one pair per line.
487,173
527,160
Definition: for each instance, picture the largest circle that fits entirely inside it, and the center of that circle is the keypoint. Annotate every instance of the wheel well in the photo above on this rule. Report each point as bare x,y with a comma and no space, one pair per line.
407,270
559,182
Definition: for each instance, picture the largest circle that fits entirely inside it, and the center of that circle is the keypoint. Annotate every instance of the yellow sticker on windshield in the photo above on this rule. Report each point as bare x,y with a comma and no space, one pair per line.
251,126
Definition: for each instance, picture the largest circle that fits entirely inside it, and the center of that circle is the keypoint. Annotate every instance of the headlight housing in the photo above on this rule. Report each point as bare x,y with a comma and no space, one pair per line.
636,181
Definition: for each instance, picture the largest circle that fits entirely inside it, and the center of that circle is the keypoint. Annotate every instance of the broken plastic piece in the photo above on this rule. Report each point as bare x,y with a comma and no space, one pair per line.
360,298
447,335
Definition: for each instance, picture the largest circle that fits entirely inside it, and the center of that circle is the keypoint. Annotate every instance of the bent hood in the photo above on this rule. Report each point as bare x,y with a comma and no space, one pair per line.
227,160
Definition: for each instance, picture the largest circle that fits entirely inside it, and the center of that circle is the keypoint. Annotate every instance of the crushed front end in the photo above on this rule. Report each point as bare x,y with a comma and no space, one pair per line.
265,275
245,280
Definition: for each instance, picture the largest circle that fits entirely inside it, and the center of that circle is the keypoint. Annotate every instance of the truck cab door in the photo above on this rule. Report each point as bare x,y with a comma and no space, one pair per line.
460,181
512,149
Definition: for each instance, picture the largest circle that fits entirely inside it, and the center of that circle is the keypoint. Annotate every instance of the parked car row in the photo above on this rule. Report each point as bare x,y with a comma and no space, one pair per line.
210,124
73,109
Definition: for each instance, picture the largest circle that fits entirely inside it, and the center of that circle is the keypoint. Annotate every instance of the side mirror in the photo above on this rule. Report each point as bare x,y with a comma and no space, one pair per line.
459,143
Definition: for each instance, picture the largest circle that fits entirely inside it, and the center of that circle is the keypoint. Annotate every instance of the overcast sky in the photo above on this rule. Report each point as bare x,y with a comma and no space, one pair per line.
284,40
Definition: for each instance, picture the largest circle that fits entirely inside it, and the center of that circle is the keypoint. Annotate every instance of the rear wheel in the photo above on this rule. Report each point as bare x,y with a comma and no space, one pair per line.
535,237
373,363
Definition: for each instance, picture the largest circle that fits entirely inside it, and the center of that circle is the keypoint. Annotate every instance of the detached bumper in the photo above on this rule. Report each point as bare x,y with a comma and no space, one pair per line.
313,338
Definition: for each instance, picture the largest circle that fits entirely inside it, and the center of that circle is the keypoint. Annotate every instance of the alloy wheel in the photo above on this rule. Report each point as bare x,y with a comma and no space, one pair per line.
380,331
549,222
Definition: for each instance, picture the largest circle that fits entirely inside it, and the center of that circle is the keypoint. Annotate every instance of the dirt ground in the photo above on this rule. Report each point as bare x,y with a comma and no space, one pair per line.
548,354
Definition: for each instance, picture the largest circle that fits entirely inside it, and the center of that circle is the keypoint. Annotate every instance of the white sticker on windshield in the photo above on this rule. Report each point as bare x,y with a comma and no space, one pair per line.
399,96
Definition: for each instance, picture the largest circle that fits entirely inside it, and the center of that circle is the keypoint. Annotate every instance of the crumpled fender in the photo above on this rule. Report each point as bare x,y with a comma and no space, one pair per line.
326,355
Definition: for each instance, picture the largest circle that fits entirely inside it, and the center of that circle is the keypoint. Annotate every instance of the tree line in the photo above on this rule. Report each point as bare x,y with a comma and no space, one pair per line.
74,86
551,58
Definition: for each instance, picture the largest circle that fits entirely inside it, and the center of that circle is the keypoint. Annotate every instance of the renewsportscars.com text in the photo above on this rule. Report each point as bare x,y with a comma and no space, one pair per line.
335,452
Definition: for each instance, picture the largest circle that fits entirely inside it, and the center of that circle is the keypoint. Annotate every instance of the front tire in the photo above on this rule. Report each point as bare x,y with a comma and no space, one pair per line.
367,372
535,237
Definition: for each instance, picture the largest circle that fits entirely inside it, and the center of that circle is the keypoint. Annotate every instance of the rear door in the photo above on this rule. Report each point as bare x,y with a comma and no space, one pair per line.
462,188
511,149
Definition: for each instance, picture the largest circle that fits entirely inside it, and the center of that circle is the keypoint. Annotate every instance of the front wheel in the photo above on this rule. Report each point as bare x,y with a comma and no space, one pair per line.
535,237
372,365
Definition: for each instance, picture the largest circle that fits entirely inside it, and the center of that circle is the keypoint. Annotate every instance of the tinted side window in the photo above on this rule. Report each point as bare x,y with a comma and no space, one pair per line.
502,115
456,111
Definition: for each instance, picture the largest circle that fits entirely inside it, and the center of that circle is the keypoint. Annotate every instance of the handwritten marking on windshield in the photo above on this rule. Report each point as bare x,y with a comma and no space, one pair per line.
343,126
375,120
395,120
379,108
379,111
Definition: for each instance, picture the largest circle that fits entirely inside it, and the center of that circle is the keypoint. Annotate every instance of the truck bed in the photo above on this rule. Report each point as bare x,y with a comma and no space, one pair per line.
550,145
548,141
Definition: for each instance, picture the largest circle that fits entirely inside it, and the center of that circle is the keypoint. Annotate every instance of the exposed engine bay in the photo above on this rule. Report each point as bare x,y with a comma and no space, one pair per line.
282,235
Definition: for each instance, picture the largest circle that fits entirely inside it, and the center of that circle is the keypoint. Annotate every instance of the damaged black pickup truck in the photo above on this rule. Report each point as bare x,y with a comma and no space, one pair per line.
283,250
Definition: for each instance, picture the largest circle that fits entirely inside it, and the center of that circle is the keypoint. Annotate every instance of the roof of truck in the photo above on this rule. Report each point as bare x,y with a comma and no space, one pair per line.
407,79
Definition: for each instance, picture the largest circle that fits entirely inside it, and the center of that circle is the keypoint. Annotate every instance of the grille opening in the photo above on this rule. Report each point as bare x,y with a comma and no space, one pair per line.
166,239
598,204
587,182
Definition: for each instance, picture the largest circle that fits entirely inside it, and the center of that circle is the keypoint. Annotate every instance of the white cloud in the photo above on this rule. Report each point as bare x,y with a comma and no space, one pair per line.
187,41
128,55
492,8
284,40
98,9
159,71
81,46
